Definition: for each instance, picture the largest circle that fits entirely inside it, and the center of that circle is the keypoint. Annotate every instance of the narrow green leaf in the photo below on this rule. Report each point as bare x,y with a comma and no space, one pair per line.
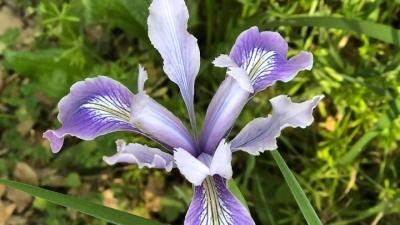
92,209
375,30
301,199
234,188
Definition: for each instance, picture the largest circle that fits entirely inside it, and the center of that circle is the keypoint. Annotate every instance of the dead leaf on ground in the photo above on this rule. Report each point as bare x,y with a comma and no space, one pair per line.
109,200
24,173
2,190
8,20
6,210
21,199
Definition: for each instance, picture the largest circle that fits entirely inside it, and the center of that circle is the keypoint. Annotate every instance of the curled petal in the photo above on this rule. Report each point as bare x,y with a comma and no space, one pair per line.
197,169
260,134
263,56
141,155
224,61
168,33
222,113
93,107
142,77
214,204
159,123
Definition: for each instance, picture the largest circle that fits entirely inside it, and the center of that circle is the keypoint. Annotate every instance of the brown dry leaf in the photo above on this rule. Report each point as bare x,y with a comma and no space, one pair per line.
21,199
2,190
24,173
109,200
152,193
25,126
6,210
8,20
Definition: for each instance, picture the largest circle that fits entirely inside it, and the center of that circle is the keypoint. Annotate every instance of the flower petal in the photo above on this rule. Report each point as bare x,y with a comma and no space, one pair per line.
260,134
142,77
158,122
222,113
141,155
214,204
168,33
263,56
193,169
221,161
93,107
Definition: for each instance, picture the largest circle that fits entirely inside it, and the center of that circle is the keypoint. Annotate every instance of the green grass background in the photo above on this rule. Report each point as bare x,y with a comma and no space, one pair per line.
347,162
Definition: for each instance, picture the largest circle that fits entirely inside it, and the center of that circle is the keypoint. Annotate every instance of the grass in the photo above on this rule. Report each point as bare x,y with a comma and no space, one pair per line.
347,162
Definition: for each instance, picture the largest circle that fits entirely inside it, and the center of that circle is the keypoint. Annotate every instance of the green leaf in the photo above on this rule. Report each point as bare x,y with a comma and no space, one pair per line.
308,211
92,209
233,187
375,30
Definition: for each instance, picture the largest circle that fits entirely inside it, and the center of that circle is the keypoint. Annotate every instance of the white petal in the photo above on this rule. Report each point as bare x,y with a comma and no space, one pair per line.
193,169
241,76
221,161
142,77
260,134
224,61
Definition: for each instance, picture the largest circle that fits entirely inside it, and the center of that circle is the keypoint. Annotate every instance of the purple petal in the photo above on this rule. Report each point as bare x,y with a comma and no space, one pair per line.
93,107
168,33
261,133
141,155
263,56
222,113
159,123
214,204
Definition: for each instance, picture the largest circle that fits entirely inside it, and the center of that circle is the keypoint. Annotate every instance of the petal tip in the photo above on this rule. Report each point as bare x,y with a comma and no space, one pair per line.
56,142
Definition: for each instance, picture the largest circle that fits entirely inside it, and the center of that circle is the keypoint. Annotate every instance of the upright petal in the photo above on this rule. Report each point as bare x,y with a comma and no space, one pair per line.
159,123
194,170
141,155
263,56
222,113
261,133
214,204
93,107
168,33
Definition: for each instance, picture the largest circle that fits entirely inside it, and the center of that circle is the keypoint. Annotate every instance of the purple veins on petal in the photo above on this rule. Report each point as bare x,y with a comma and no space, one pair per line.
93,107
141,155
263,56
260,134
159,123
214,204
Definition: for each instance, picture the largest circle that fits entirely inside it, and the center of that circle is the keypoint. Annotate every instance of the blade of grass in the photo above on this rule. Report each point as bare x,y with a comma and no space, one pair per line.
308,212
233,187
375,30
92,209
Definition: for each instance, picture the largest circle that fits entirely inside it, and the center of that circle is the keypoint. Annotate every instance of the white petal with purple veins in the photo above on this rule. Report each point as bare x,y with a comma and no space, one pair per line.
168,33
214,204
260,134
141,155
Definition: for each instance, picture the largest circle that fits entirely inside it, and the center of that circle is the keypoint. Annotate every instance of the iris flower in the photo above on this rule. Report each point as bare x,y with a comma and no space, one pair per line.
100,105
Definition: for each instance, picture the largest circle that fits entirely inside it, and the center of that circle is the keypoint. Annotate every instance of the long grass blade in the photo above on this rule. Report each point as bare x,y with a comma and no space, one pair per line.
375,30
308,211
83,206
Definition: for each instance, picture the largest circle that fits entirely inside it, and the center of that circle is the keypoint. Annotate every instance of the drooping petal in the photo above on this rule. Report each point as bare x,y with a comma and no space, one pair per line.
222,113
93,107
168,33
263,56
214,204
260,134
141,155
159,123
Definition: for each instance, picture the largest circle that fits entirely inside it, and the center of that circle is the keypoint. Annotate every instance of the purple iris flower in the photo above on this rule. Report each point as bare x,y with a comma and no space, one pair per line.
100,105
